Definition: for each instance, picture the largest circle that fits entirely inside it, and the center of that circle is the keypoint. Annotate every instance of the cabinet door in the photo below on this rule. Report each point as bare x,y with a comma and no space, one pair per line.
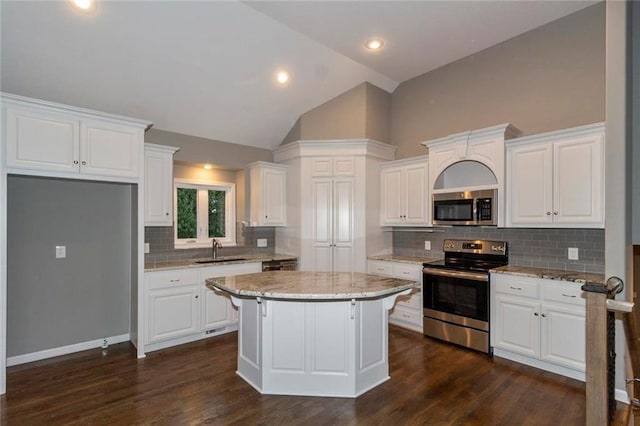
110,149
415,194
42,140
322,238
217,310
392,200
578,182
563,336
342,213
274,199
158,188
517,327
529,185
173,312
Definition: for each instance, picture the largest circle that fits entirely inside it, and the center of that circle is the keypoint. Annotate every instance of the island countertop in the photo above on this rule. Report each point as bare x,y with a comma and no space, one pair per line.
303,285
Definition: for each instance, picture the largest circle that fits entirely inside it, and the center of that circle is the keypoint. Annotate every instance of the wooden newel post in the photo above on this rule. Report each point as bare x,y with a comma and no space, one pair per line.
596,358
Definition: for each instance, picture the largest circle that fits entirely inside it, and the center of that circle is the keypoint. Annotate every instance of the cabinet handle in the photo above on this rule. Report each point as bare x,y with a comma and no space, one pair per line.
84,163
569,295
535,313
174,281
548,213
75,161
555,213
406,316
516,288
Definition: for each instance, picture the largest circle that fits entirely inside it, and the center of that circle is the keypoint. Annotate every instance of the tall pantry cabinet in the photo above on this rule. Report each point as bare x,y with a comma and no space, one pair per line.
333,193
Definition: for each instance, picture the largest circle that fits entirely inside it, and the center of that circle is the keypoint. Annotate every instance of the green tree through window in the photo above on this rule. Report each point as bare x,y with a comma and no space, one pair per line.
187,213
216,214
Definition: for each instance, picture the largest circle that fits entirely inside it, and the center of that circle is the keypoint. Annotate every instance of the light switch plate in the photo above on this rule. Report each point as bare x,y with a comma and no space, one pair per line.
61,252
262,242
427,245
146,248
573,253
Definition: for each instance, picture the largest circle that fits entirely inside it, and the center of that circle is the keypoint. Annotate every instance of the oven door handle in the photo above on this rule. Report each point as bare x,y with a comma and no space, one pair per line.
474,276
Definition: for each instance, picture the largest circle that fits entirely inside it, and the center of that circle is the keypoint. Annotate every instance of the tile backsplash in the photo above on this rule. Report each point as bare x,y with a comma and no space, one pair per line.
160,239
543,248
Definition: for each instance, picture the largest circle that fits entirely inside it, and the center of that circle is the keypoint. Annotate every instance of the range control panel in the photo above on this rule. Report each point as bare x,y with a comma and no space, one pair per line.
476,246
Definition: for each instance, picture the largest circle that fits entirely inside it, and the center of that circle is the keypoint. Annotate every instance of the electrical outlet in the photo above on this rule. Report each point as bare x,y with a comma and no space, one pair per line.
146,248
573,253
262,242
427,245
61,252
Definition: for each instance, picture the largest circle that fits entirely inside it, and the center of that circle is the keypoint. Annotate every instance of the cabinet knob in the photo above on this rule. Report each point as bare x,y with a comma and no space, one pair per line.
555,213
197,296
167,214
84,163
535,313
548,213
75,161
544,315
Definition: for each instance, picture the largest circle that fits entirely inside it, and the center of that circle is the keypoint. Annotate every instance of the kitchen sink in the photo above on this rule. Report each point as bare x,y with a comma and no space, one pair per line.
222,259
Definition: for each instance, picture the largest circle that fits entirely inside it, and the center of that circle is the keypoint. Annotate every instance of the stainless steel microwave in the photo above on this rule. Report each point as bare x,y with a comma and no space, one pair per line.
466,208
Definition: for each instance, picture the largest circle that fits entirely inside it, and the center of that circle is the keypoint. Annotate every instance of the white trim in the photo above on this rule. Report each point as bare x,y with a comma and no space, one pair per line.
150,347
563,133
622,396
3,258
230,215
508,130
334,148
64,350
537,363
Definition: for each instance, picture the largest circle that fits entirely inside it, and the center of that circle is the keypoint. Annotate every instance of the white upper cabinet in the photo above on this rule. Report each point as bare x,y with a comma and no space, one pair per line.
405,192
268,196
49,139
557,179
158,184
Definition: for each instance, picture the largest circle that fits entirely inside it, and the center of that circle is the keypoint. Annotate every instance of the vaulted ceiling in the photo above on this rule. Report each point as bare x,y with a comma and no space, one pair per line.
208,68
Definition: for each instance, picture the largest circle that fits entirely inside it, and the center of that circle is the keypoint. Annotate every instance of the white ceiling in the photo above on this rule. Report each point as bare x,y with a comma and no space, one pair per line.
206,68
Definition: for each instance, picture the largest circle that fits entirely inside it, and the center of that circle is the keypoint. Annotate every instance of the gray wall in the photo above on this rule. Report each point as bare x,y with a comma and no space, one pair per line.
546,79
360,113
200,150
542,248
57,302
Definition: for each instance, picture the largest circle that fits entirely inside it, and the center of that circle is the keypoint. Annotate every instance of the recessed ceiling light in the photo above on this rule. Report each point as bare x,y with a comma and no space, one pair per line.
374,44
208,167
282,77
84,5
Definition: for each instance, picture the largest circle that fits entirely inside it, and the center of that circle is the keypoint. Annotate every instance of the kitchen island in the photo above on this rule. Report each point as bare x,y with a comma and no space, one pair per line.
312,333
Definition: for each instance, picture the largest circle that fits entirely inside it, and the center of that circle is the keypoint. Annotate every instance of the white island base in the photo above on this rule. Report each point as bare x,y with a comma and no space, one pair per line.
314,348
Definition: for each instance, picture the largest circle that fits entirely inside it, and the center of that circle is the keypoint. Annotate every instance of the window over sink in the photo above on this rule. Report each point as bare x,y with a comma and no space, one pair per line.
203,211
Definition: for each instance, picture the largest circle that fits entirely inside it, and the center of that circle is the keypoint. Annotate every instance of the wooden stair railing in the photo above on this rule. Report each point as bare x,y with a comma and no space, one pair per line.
600,303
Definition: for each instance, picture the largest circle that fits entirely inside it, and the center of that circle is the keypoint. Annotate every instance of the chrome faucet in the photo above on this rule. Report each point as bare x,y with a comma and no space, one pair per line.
215,244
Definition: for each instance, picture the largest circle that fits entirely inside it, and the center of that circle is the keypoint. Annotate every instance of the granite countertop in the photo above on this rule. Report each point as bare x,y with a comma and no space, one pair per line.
301,285
403,259
552,274
190,263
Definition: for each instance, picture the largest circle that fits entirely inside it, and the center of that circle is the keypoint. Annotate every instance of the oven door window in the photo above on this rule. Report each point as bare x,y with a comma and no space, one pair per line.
467,298
453,210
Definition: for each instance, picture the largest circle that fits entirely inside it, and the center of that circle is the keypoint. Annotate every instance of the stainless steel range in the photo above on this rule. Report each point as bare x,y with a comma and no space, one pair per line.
456,292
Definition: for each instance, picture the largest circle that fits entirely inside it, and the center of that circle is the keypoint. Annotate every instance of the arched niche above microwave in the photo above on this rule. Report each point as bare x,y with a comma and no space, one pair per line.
456,161
466,174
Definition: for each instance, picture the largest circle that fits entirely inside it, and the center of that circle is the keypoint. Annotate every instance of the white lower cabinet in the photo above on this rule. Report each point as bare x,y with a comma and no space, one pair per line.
181,309
407,311
539,322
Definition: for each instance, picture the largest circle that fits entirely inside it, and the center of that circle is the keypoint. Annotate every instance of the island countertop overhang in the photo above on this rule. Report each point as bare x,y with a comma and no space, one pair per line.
306,285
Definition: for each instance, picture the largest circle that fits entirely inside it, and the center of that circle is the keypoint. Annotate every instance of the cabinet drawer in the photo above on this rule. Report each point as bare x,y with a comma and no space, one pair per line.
413,302
379,267
515,286
563,293
173,278
400,313
407,272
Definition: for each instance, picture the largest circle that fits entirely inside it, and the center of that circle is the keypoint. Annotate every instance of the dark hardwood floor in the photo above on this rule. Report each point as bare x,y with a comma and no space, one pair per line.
431,383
